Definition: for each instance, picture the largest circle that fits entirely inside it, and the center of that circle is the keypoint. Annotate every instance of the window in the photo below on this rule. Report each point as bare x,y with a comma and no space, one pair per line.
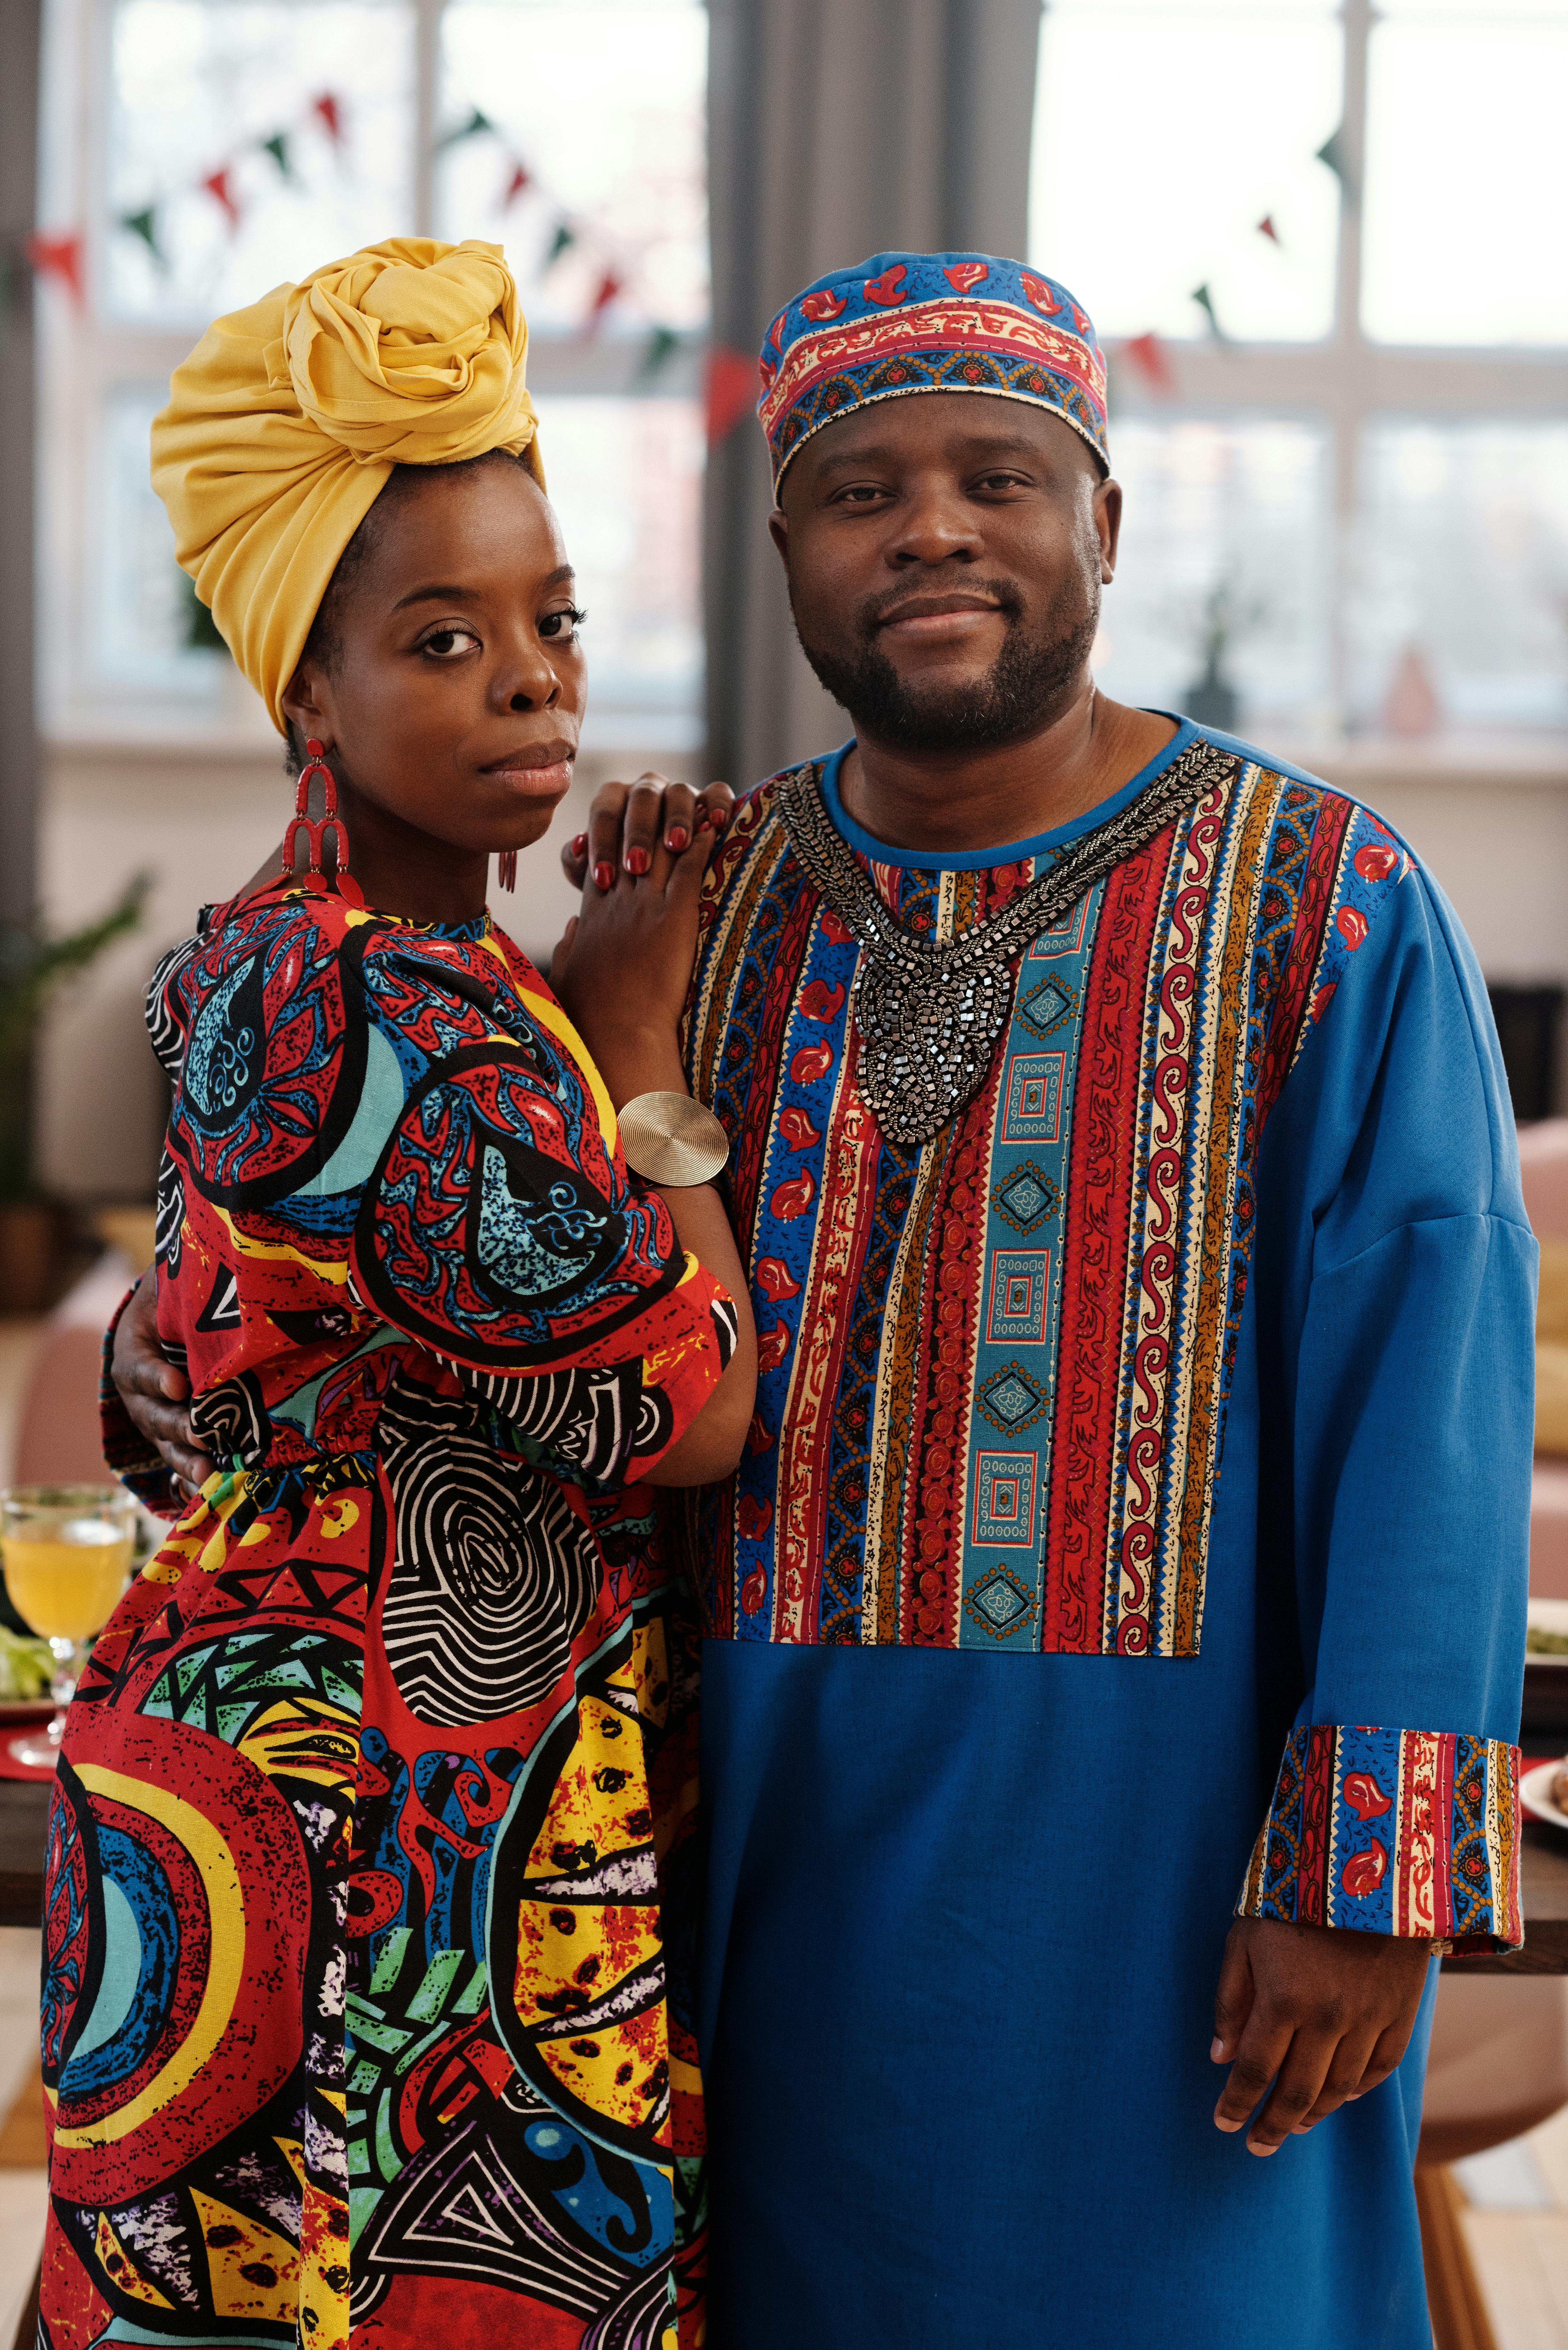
215,148
1322,250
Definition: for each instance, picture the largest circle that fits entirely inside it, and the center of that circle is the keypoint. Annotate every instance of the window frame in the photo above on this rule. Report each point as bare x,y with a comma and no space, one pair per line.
85,354
1348,380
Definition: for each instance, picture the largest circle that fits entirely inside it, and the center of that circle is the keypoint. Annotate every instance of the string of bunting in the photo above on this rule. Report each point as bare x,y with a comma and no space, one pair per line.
730,376
1147,354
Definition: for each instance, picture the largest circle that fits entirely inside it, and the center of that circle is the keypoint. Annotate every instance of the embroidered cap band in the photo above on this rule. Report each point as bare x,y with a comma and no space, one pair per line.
907,322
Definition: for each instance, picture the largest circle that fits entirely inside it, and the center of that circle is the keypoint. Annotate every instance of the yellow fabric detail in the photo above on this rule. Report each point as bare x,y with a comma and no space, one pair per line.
245,1246
220,1884
121,2270
284,423
254,2273
549,1014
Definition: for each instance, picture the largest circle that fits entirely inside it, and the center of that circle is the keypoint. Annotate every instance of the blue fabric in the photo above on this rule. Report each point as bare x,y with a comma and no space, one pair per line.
966,1911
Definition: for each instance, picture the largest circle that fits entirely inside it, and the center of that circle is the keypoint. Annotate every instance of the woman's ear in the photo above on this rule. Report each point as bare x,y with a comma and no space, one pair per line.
303,700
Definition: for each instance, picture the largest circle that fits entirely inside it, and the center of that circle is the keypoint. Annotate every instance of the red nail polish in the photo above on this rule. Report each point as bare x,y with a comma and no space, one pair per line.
704,822
604,875
676,838
721,818
638,861
579,845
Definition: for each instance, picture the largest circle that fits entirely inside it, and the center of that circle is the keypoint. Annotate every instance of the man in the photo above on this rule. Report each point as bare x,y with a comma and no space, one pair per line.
1144,1298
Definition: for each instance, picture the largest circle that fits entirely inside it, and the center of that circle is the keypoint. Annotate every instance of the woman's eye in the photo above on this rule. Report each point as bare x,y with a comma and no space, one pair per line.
448,644
561,628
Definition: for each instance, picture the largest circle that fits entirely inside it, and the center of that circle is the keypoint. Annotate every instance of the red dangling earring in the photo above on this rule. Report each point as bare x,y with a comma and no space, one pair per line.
506,868
316,833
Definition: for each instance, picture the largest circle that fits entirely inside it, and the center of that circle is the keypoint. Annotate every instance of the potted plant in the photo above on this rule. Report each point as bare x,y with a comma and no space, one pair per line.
31,967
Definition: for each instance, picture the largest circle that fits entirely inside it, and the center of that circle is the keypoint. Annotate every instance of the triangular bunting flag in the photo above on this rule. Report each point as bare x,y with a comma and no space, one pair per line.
730,390
1148,354
657,352
144,224
474,128
277,148
61,257
328,112
219,186
1266,228
565,237
1205,301
518,178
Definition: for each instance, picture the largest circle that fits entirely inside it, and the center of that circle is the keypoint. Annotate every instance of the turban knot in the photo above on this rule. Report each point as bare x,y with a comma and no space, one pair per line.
284,423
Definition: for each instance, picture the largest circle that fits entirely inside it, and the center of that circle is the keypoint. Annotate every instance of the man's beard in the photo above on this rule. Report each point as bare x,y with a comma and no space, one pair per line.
1026,684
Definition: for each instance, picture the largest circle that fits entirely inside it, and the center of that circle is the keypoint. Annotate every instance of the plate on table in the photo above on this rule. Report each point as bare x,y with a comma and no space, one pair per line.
1535,1793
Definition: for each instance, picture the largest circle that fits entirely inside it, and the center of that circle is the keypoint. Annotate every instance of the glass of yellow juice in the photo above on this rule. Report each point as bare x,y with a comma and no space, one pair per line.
67,1551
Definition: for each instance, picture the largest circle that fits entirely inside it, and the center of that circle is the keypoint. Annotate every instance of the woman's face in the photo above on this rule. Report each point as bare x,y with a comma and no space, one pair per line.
452,697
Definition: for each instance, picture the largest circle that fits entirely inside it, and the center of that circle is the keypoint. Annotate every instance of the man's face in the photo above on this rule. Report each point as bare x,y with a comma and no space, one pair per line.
945,553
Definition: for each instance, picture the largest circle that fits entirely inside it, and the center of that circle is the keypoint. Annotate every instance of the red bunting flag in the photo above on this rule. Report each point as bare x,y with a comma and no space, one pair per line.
608,287
730,390
329,112
218,186
1147,355
518,178
61,257
1266,228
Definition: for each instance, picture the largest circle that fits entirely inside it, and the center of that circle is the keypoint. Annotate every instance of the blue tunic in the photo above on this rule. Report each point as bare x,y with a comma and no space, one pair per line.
1122,1454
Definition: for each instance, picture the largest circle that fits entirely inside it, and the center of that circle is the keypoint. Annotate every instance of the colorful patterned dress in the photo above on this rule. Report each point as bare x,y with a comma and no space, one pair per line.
365,1960
1121,1453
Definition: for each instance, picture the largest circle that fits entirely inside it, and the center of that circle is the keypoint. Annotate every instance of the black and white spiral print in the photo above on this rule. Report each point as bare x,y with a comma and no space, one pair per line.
492,1577
232,1422
584,1425
168,1037
170,1226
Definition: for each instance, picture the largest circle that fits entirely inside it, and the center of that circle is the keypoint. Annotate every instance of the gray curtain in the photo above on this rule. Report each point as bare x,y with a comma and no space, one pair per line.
837,129
19,34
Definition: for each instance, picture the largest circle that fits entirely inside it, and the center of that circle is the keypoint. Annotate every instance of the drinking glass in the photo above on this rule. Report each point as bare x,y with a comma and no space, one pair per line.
68,1551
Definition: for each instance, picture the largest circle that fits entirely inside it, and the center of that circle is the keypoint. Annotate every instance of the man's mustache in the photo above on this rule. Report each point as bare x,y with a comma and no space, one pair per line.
1005,593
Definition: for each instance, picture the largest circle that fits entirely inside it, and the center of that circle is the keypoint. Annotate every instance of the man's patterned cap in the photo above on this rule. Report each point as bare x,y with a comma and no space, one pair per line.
907,322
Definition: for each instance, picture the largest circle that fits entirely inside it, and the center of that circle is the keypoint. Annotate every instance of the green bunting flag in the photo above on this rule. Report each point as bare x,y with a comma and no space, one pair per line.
474,127
1331,153
144,224
657,352
277,148
1205,301
565,236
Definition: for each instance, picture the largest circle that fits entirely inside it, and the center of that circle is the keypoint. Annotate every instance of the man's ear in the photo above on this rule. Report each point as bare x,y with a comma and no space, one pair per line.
1108,526
778,531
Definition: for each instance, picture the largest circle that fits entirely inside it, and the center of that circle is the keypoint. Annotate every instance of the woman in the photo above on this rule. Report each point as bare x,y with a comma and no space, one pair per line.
363,1967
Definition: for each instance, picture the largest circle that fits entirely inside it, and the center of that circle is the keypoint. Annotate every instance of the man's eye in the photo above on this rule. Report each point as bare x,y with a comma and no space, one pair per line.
449,644
858,494
561,628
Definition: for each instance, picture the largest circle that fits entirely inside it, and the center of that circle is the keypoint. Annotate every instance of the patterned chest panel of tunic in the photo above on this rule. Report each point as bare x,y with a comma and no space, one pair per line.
994,1367
371,1853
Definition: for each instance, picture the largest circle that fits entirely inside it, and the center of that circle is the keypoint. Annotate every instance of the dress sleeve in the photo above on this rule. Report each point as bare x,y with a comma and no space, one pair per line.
1395,1293
497,1224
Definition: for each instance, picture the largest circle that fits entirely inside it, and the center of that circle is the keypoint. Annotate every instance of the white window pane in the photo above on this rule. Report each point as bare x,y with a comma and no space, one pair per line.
198,86
1462,555
1225,523
603,105
1466,177
144,609
625,479
1163,135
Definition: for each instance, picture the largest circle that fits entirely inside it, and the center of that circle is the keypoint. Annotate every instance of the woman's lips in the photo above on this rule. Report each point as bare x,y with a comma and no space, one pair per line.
540,778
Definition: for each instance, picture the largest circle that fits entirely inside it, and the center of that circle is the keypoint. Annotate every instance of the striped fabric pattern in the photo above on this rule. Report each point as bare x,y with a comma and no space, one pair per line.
994,1369
1404,1832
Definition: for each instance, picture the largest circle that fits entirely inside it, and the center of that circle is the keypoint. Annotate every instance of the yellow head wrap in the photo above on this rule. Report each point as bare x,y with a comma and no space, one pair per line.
284,423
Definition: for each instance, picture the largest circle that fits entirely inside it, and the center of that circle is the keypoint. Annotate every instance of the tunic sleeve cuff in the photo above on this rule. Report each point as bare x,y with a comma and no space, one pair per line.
134,1461
1410,1832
